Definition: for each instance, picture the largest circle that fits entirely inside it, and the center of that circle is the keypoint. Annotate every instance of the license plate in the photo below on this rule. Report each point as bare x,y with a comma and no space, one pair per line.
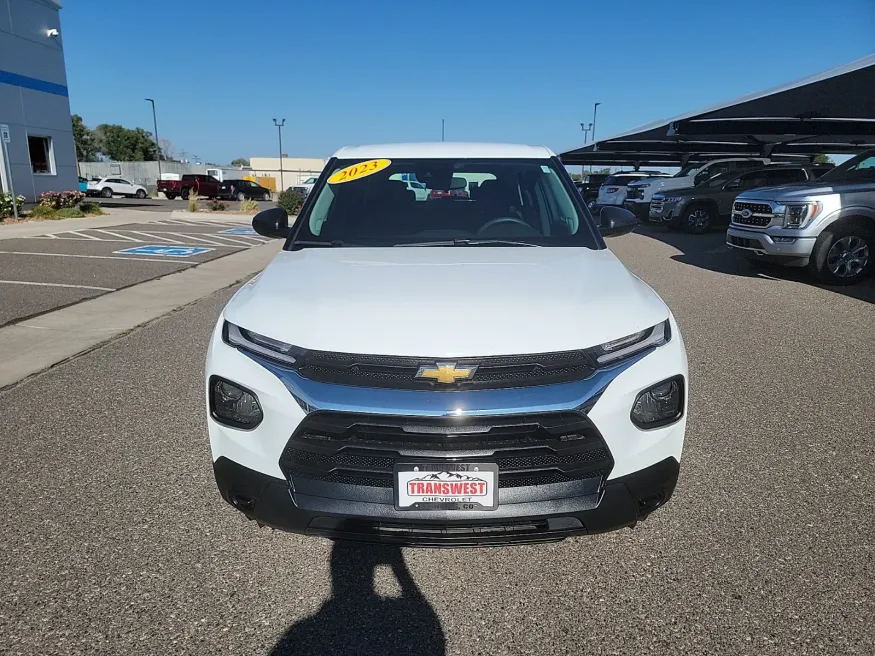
446,486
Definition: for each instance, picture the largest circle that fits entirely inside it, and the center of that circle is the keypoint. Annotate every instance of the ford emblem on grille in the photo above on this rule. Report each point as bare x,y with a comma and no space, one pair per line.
746,213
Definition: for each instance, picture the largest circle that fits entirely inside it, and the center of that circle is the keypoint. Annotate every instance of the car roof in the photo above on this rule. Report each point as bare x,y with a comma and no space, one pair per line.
441,150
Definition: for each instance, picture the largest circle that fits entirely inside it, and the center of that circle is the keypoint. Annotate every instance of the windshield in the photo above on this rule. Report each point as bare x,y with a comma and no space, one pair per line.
721,179
622,180
861,167
456,201
687,170
310,181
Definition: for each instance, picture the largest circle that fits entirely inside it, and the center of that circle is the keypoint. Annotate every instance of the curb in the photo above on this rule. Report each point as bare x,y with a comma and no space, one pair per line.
206,216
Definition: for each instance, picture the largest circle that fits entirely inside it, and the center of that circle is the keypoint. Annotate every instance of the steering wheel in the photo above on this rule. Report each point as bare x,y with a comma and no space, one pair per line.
499,221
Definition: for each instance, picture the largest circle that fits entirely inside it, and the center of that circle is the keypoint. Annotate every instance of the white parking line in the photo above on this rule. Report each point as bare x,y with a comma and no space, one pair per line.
151,236
75,232
55,284
98,257
211,242
115,234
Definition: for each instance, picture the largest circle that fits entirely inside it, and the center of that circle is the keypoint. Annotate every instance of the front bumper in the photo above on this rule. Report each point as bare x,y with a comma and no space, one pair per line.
253,475
621,502
767,245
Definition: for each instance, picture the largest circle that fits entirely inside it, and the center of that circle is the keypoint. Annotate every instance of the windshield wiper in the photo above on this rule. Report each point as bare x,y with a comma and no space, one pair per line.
470,242
306,243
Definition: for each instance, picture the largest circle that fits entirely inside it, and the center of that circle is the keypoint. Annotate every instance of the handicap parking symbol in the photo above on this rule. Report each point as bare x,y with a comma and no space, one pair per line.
166,251
238,231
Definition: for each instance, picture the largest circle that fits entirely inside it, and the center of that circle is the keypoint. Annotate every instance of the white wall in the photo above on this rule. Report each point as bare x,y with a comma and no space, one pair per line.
295,169
26,51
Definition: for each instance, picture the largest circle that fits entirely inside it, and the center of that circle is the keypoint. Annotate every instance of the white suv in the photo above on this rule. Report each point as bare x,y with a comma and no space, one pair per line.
109,187
640,193
455,370
614,188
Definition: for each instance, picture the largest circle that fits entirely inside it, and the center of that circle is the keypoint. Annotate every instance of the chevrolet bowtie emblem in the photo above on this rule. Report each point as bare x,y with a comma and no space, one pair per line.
446,372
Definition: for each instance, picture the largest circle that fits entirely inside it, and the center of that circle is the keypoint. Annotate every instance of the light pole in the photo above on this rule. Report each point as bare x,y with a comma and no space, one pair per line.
442,129
586,128
157,146
594,110
279,128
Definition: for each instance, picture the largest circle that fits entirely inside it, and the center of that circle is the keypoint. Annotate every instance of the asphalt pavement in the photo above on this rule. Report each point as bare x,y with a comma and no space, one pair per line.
116,541
46,272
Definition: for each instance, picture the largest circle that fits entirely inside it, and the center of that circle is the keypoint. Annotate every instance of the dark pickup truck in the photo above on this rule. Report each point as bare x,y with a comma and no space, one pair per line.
205,186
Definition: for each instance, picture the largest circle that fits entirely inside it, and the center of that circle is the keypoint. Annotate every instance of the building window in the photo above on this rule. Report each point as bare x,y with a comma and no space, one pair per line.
41,154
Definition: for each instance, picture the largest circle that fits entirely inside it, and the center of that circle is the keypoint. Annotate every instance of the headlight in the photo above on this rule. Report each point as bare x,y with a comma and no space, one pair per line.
247,340
660,404
233,405
797,215
626,347
642,186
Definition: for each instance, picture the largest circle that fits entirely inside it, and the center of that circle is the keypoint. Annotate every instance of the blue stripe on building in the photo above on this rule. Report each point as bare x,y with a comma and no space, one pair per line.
32,83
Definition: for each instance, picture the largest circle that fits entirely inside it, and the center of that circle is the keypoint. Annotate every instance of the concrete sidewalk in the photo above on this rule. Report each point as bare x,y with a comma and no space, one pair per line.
116,218
36,344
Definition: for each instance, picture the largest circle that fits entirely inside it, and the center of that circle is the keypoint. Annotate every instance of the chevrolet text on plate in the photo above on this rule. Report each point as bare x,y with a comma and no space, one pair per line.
445,353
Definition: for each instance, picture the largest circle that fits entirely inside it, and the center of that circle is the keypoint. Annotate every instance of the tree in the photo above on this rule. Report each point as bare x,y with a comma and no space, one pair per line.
86,146
240,161
124,145
820,158
167,150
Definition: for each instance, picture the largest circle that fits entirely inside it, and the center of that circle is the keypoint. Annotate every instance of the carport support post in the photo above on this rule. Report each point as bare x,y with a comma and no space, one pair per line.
11,185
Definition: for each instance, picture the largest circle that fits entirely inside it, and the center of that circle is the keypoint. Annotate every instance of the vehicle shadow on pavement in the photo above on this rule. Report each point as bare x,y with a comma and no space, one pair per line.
709,251
357,620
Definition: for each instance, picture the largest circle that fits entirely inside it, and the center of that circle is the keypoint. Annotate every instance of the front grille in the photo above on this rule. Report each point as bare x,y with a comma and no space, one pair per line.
634,193
761,214
399,372
357,449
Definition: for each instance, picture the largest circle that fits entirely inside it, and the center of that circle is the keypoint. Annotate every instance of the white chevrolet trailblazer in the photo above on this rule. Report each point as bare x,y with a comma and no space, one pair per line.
449,369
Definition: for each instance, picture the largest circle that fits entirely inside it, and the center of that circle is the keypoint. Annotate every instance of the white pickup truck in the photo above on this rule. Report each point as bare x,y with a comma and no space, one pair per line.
450,369
827,225
640,193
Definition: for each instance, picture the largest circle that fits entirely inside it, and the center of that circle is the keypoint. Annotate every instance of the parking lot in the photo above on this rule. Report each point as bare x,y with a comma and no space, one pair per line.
766,547
46,272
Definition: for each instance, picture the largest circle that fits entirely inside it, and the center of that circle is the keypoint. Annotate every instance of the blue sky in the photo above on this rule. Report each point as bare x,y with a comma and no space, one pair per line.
343,72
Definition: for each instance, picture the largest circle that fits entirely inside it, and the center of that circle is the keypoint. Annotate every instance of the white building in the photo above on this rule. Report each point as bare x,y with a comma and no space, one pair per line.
295,170
33,100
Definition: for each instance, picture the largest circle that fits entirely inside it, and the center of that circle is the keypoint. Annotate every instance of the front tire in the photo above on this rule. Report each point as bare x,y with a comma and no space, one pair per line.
698,219
842,255
141,194
241,195
106,192
266,196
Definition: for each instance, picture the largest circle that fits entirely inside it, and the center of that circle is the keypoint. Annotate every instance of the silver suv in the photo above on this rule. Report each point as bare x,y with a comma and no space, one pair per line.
827,225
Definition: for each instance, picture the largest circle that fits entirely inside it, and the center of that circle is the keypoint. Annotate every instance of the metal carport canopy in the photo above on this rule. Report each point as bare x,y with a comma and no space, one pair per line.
832,112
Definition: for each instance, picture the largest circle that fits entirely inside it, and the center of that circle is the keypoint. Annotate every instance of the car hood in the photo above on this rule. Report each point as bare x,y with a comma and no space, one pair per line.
445,301
801,192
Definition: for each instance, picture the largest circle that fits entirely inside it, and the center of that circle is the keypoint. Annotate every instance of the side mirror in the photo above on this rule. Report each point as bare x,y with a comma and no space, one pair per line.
273,223
615,221
735,184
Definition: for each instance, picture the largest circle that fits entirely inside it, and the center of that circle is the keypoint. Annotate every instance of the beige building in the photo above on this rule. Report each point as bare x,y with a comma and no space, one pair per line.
295,170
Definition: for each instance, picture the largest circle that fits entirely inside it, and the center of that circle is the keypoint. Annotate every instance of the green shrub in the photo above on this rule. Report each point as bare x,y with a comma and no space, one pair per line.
90,207
6,208
44,212
216,205
69,213
290,200
248,206
192,202
61,199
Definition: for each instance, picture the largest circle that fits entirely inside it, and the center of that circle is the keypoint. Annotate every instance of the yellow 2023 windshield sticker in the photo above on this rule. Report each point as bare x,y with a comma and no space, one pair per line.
360,170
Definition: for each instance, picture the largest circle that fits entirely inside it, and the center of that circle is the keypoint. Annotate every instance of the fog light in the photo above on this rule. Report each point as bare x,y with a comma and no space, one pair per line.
233,405
660,404
783,240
